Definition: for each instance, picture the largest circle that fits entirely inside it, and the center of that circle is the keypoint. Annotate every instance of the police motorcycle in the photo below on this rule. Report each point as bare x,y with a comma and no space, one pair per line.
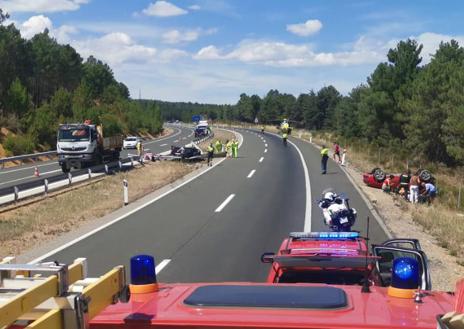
336,210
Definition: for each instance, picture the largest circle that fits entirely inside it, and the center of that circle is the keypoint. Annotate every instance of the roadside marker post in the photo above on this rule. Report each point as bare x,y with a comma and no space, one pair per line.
131,161
70,178
90,173
126,191
16,194
46,186
106,169
120,165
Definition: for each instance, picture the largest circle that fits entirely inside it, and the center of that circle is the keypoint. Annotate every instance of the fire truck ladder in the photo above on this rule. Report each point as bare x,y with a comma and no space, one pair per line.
56,296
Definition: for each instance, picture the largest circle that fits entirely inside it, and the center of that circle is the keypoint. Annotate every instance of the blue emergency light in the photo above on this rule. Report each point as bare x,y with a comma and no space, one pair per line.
405,274
324,235
142,270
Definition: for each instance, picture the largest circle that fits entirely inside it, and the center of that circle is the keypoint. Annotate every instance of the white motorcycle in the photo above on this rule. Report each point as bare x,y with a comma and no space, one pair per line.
338,214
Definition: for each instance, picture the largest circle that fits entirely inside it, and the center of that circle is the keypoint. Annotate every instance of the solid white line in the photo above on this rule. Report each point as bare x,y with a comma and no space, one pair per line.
265,150
164,138
163,144
162,265
226,201
261,159
29,168
251,173
84,236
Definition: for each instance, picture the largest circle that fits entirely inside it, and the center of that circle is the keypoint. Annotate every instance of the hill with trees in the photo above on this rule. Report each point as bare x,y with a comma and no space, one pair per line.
44,83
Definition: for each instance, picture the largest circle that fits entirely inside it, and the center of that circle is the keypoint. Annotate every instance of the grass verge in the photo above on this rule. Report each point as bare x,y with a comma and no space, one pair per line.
31,225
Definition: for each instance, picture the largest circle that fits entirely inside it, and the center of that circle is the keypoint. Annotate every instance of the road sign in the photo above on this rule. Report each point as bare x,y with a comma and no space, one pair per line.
196,118
256,120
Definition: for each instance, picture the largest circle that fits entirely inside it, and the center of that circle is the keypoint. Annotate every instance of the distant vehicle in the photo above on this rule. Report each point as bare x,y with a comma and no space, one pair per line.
202,129
376,177
130,142
82,144
341,258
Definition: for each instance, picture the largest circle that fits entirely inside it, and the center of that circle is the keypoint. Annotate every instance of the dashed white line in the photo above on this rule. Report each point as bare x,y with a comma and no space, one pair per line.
226,201
161,265
265,145
251,173
176,141
265,150
264,140
261,159
163,144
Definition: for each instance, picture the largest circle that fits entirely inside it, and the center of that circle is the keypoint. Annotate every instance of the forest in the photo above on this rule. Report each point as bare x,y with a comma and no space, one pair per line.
404,106
44,83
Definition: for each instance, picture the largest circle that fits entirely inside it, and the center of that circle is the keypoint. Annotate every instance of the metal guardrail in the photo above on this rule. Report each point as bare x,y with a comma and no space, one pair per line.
25,157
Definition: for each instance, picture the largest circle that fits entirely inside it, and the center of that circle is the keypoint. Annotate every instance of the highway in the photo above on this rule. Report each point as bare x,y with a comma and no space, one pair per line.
9,177
216,227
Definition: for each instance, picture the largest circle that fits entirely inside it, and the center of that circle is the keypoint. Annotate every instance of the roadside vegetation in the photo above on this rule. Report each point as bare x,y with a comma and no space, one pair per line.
34,224
44,83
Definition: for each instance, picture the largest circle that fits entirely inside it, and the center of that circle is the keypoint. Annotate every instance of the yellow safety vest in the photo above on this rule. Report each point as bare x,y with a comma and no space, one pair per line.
210,149
325,151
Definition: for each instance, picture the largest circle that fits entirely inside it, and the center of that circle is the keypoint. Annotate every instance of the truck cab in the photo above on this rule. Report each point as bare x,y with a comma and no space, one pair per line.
341,258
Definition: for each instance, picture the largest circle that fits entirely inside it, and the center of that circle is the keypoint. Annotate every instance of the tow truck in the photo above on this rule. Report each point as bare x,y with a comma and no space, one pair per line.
56,296
341,258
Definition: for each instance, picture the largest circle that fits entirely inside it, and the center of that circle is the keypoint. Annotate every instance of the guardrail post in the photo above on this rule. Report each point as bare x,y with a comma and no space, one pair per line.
46,186
120,164
106,169
70,178
132,161
89,171
126,191
16,194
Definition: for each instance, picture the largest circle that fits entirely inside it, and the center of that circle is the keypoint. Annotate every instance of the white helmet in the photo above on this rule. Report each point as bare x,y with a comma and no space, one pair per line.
330,196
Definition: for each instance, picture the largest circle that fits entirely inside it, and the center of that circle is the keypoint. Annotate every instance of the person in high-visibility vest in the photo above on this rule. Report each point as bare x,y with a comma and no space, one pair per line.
229,148
218,146
324,159
234,149
139,147
210,151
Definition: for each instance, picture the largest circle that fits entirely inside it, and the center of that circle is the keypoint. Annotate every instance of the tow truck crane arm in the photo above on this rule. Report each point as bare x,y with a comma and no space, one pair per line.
64,298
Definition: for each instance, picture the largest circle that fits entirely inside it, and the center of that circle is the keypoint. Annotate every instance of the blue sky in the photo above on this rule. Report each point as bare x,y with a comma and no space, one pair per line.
213,50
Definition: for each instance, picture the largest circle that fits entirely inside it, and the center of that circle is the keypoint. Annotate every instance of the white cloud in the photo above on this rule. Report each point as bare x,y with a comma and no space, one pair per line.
431,42
115,48
281,54
176,36
194,7
163,9
35,25
41,6
305,29
168,55
209,52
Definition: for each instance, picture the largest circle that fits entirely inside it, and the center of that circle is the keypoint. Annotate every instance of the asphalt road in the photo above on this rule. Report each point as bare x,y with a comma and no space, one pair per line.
216,227
10,177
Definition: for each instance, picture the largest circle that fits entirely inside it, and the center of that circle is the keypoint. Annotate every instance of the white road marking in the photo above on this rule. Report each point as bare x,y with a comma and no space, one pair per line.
251,173
162,265
264,140
176,141
29,168
86,235
265,150
163,144
265,145
163,138
226,201
261,159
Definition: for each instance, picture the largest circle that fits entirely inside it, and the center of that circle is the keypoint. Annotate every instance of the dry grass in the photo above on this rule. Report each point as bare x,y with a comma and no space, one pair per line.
443,219
222,135
25,227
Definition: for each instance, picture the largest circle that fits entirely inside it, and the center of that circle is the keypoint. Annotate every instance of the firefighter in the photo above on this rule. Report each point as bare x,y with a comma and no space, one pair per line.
324,159
210,151
218,146
235,148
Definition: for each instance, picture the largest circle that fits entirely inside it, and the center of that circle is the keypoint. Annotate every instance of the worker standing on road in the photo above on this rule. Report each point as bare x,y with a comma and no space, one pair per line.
210,151
218,146
324,159
228,148
235,148
139,147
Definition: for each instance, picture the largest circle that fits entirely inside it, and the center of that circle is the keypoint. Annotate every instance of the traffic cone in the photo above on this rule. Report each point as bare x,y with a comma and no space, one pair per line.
36,172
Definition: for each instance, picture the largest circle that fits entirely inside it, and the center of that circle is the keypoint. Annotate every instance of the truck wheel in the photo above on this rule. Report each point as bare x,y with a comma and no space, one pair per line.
65,168
379,174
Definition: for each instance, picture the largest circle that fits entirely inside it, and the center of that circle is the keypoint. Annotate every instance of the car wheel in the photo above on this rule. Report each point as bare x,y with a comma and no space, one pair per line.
379,174
425,175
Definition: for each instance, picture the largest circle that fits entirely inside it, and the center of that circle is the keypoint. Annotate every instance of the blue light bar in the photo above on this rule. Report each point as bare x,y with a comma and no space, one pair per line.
405,274
142,270
324,235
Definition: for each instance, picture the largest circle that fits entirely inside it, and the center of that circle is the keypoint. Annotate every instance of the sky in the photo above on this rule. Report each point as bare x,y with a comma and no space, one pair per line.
211,51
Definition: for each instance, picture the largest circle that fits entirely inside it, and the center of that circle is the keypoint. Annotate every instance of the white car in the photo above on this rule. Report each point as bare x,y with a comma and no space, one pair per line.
130,142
